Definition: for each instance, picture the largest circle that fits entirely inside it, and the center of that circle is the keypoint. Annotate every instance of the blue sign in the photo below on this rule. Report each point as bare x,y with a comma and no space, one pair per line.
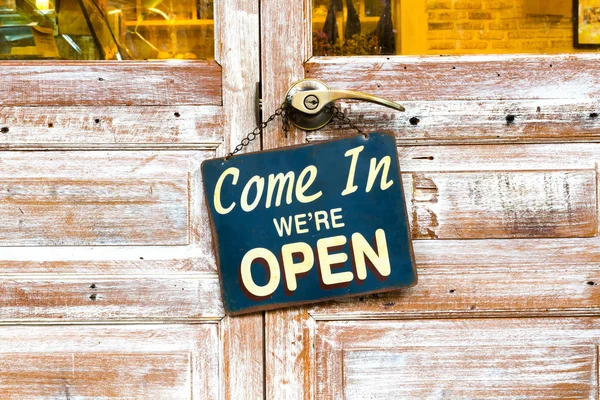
309,223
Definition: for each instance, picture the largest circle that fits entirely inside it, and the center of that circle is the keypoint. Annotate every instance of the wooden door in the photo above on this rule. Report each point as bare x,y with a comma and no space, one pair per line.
108,283
499,164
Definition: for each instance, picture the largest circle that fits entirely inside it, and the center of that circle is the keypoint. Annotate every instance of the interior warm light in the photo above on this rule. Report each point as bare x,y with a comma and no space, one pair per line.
160,12
42,5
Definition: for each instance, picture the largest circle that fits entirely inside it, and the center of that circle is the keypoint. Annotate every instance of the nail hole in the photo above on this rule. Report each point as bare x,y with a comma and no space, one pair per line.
4,129
308,71
404,67
97,120
388,58
50,125
141,258
93,296
453,67
177,115
510,118
591,283
414,121
452,291
498,73
594,115
550,65
473,307
430,158
361,298
539,109
101,79
93,286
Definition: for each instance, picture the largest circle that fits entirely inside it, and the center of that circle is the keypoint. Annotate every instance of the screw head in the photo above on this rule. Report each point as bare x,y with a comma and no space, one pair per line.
311,102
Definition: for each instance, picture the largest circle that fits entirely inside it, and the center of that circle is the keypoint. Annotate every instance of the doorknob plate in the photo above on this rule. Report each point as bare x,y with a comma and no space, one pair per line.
309,122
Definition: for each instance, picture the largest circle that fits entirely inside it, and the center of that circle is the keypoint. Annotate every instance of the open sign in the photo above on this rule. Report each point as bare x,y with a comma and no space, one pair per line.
309,223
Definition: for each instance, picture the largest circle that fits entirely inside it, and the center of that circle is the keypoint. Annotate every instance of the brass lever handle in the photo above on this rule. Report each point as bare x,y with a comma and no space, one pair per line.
313,101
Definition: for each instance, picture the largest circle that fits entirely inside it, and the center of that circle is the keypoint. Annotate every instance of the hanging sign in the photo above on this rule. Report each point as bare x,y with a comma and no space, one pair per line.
309,223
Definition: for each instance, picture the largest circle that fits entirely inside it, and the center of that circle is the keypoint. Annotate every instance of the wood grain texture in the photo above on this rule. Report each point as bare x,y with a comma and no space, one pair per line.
475,121
505,157
98,198
498,372
90,375
558,356
286,43
243,339
135,83
50,212
123,361
120,127
237,26
480,205
289,354
499,77
479,290
238,50
99,298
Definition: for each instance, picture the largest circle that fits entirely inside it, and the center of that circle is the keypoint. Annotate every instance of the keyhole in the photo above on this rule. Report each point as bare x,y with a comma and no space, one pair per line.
311,102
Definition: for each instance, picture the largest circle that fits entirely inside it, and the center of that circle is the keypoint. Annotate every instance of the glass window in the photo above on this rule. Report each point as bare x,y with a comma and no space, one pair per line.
454,27
106,29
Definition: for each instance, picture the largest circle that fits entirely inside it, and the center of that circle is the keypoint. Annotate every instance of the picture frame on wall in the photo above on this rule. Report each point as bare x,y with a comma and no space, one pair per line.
586,16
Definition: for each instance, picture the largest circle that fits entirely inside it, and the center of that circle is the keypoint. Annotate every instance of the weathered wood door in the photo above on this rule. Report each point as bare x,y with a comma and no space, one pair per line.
500,170
108,284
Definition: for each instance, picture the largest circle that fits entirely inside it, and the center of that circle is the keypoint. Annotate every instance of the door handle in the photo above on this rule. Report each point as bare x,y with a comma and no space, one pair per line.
311,103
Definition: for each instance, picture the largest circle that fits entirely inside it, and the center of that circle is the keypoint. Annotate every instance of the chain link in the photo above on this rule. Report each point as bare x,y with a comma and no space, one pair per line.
342,119
283,111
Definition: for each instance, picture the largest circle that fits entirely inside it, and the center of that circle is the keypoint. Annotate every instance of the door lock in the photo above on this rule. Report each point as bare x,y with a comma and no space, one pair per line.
312,103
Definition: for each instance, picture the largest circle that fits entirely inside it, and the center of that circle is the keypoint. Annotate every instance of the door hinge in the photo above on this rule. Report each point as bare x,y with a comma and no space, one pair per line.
258,103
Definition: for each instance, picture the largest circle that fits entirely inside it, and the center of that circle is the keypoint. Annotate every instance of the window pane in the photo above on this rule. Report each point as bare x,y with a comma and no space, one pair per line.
433,27
106,29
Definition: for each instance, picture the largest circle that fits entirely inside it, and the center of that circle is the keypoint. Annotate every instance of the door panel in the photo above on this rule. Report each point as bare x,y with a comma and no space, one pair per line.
480,372
485,358
502,204
115,83
499,170
152,361
103,198
48,127
105,249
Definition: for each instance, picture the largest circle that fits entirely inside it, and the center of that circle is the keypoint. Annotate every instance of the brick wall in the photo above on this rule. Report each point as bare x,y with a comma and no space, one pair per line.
494,26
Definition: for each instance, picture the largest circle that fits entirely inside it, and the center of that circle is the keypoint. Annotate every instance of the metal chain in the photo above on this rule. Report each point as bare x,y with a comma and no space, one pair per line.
340,118
283,111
